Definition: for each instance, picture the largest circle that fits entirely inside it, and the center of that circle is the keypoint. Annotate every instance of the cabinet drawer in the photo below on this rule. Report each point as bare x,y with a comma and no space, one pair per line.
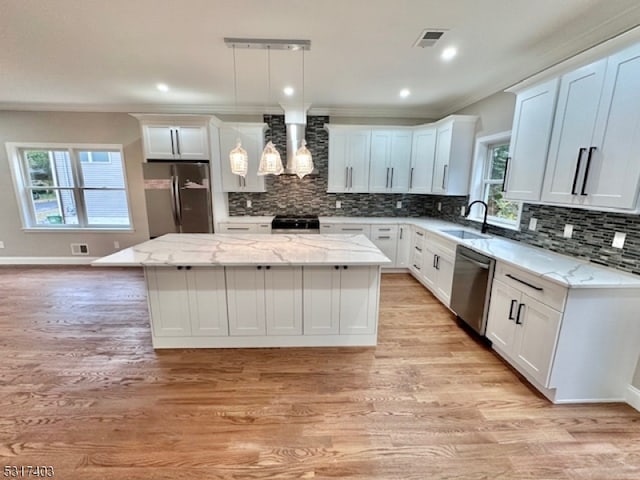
384,231
545,291
238,228
445,248
353,229
418,239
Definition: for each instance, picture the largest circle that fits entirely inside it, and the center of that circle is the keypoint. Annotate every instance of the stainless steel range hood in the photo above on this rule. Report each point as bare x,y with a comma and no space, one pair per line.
296,125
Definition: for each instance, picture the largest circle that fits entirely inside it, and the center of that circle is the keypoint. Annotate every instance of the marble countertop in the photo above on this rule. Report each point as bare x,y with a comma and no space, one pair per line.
248,249
561,269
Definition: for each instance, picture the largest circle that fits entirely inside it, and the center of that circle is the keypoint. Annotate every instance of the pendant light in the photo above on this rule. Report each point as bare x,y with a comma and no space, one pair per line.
270,162
238,156
304,161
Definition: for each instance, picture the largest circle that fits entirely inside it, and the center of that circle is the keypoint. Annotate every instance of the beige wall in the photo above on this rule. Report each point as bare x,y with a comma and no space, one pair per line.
495,112
63,127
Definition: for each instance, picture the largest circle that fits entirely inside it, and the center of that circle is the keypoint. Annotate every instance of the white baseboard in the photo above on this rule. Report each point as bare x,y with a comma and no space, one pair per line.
80,260
633,397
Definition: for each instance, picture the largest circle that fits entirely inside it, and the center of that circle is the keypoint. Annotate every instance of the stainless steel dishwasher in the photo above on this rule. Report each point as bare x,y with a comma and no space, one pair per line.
471,290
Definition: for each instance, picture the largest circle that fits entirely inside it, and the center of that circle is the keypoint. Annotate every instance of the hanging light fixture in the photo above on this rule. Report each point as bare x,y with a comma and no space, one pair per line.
238,156
303,159
270,162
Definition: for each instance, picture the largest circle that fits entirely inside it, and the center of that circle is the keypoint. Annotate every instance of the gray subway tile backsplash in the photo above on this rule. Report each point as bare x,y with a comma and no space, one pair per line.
287,194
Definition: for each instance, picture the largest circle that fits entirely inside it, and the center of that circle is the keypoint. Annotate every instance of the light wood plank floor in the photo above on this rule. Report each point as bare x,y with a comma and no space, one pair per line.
81,389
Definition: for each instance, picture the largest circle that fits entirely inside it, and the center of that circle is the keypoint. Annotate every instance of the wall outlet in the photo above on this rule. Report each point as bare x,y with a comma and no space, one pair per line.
618,240
533,223
1,244
568,231
398,204
249,203
116,244
462,210
439,206
338,204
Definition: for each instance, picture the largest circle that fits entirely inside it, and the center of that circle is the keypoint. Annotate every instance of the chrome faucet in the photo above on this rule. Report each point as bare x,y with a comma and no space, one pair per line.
484,220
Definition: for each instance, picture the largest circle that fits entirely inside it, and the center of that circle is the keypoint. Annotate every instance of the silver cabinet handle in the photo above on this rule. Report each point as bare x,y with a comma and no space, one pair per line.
411,178
173,149
352,229
444,176
385,237
238,228
384,229
586,171
351,177
386,184
513,304
346,177
401,229
520,307
418,248
420,234
539,289
416,267
391,178
575,177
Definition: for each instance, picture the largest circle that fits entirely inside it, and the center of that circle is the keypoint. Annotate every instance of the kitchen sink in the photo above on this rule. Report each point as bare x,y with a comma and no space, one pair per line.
463,234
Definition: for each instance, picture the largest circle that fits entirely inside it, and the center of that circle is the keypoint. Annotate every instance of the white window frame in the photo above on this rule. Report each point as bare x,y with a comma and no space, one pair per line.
477,183
23,190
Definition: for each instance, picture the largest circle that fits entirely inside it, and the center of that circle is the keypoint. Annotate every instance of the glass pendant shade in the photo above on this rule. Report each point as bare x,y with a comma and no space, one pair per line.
304,161
270,162
239,160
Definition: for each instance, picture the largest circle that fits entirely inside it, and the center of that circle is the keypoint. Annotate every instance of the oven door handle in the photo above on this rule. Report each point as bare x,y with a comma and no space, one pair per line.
484,266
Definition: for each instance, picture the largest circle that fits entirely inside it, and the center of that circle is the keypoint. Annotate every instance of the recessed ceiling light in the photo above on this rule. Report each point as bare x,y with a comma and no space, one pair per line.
448,53
405,92
163,87
288,91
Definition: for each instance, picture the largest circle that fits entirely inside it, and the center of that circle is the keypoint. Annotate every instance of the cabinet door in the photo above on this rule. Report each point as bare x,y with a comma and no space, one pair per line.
380,164
338,161
246,300
283,297
614,173
532,122
159,142
535,338
358,299
422,160
444,135
252,141
429,271
385,237
321,300
358,158
404,247
573,129
168,301
501,325
207,302
400,161
444,282
192,143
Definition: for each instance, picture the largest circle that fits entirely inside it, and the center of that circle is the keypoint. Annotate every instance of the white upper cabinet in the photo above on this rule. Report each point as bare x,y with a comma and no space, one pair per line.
175,137
349,149
573,128
596,135
614,173
423,154
252,137
532,122
390,158
454,148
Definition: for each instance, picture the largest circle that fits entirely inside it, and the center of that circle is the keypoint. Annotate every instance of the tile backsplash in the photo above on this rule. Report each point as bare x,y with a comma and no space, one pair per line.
593,231
288,194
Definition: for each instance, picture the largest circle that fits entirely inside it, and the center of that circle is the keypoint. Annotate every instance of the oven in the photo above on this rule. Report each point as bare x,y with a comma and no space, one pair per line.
307,224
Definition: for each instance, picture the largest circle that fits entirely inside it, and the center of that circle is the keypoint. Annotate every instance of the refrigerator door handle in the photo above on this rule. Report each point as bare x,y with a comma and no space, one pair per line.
174,209
177,201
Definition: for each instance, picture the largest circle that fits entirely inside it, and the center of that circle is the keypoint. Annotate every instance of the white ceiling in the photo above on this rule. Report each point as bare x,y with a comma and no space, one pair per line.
108,55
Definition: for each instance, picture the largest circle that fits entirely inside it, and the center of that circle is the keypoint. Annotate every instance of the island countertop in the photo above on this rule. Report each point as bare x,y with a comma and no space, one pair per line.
246,249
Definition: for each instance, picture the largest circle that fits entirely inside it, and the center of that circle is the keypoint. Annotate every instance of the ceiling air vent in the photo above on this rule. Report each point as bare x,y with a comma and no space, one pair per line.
429,37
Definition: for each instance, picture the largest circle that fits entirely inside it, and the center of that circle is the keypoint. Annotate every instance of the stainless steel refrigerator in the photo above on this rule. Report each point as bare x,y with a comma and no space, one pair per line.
178,196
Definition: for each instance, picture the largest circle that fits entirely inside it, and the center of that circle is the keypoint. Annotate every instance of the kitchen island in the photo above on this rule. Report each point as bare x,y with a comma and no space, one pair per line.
216,291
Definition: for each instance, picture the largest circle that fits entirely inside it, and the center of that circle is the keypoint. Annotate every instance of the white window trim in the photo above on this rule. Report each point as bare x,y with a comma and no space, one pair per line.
476,191
18,175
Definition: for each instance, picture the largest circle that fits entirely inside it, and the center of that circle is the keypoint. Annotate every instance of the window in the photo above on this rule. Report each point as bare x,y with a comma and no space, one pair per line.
489,174
79,186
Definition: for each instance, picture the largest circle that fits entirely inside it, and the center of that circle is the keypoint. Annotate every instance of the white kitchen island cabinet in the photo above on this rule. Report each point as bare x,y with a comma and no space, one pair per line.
251,290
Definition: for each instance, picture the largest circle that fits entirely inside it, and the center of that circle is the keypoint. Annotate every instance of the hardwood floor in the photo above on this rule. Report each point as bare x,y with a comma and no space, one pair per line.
81,389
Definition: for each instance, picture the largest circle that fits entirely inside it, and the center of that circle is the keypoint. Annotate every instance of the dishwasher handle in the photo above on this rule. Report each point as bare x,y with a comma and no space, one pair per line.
484,266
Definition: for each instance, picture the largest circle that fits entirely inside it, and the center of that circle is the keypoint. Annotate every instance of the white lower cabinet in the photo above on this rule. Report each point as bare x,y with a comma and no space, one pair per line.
432,261
523,329
385,237
187,302
339,299
264,300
